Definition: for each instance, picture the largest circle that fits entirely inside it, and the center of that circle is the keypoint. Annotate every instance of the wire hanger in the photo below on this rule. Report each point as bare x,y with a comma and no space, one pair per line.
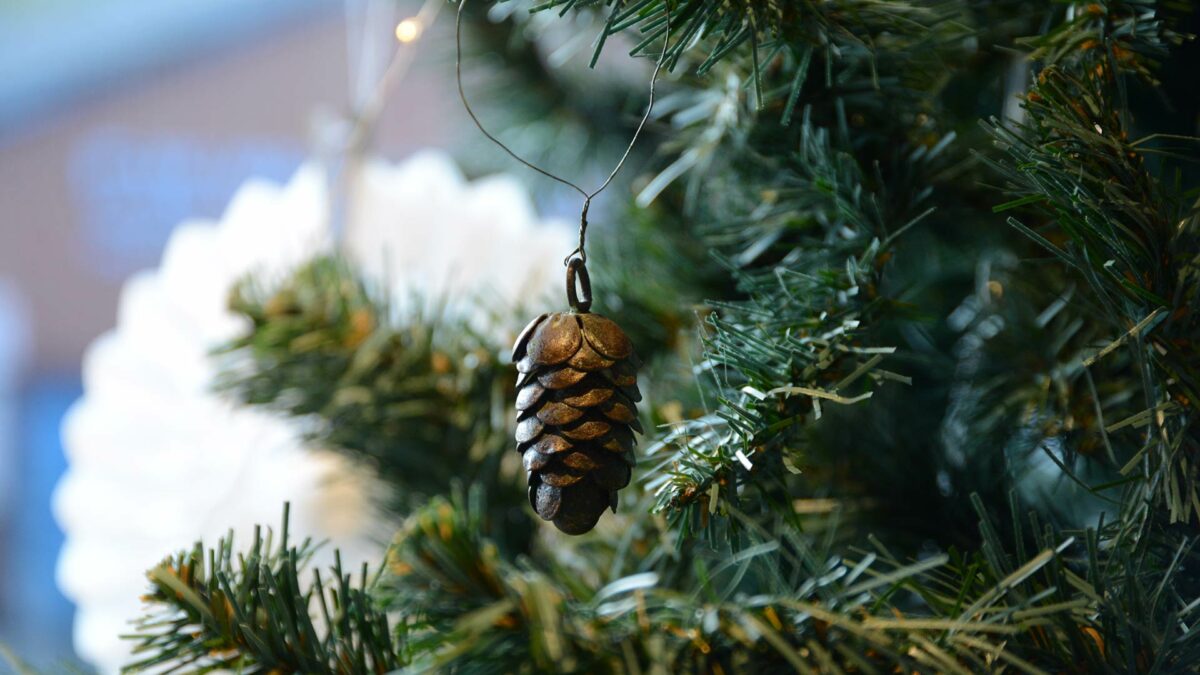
587,196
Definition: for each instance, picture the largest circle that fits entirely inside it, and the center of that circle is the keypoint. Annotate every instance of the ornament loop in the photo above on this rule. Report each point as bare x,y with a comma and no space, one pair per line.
577,266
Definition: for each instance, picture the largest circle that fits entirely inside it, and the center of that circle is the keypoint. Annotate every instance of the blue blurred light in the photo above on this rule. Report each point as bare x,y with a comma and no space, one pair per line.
37,621
131,190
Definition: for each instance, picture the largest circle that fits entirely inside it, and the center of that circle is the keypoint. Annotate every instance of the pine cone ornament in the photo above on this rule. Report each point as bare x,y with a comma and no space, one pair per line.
576,413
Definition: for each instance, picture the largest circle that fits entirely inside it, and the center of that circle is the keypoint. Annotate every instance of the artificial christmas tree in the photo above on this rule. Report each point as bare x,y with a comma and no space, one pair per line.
915,285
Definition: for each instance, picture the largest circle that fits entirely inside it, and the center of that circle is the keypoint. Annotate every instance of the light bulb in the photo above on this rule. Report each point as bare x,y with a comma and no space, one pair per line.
408,30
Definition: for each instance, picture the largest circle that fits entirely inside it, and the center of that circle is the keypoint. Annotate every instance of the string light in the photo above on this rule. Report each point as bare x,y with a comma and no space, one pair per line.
408,30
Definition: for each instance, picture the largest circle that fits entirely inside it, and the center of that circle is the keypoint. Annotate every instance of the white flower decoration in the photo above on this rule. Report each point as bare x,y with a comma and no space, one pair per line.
157,459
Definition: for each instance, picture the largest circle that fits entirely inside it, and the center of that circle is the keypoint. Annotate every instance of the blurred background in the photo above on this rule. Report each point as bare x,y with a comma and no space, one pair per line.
119,119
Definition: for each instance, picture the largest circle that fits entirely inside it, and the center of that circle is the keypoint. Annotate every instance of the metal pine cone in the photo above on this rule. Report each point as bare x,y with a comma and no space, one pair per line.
577,400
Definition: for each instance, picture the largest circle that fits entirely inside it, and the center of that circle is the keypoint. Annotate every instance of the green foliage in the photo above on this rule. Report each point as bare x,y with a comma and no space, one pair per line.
465,606
1134,33
760,27
780,604
808,258
212,610
1130,238
397,392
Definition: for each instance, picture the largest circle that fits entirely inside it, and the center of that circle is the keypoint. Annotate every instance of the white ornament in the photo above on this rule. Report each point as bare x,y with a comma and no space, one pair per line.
157,459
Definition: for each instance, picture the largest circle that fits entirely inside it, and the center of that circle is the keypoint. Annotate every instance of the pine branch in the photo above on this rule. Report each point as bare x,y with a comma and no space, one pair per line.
808,259
214,610
784,603
752,102
752,28
464,605
395,391
1135,33
1129,238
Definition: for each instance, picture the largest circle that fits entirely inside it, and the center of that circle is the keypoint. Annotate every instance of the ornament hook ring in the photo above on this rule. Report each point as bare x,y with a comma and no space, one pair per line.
575,267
